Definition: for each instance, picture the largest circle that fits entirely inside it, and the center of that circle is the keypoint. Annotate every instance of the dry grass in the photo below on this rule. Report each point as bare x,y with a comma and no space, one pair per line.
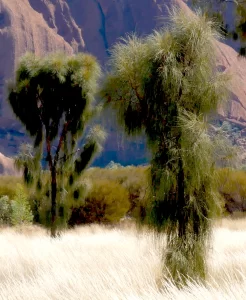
93,262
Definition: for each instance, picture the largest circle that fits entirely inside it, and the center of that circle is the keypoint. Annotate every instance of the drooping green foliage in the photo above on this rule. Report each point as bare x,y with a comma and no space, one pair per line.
166,85
53,97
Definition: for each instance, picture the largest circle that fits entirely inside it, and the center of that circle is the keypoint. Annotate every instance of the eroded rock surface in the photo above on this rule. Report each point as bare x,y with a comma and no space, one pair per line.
7,166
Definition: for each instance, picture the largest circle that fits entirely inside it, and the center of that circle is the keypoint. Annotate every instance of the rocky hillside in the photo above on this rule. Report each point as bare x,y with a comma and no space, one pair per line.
7,166
43,26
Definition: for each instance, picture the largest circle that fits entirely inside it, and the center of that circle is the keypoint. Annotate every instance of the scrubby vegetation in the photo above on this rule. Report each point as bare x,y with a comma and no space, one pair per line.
115,193
8,185
130,256
133,179
107,202
232,186
16,211
111,194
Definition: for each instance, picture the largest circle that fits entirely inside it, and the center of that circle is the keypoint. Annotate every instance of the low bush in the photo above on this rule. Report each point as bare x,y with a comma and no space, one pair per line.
114,193
8,185
20,208
5,210
107,202
16,211
133,179
129,185
232,185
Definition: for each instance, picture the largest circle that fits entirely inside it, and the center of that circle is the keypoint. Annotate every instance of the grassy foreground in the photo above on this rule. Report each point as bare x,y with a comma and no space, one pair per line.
94,262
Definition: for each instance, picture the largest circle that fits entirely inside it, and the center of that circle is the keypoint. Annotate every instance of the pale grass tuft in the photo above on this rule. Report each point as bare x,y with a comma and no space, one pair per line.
95,262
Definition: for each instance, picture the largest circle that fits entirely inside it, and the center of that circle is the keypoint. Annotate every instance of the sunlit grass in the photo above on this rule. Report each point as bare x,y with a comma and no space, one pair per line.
94,262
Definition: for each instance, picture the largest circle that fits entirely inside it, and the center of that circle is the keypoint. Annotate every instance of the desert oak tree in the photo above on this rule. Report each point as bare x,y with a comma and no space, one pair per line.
53,97
165,85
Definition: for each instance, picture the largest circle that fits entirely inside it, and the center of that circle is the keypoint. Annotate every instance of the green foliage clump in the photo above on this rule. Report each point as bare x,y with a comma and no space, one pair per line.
232,186
133,179
107,202
16,211
5,210
20,208
8,185
232,181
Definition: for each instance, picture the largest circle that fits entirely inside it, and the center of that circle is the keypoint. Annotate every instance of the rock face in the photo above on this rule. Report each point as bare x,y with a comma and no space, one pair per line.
229,61
43,26
104,21
7,166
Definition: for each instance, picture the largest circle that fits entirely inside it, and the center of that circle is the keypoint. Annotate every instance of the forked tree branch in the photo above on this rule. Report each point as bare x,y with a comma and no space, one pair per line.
62,137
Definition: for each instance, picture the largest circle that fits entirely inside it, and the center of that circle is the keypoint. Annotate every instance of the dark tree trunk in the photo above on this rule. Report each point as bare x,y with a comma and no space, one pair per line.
182,218
52,166
53,230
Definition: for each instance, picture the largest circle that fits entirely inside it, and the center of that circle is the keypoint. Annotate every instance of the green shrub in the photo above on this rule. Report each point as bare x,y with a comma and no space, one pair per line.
133,179
232,185
5,210
8,185
20,208
107,202
232,182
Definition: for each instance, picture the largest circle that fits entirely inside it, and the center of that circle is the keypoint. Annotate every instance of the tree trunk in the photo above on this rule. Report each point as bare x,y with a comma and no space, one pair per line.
53,229
182,218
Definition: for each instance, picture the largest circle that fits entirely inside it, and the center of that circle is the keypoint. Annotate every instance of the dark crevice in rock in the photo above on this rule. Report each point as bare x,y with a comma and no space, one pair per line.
129,17
1,93
4,19
102,30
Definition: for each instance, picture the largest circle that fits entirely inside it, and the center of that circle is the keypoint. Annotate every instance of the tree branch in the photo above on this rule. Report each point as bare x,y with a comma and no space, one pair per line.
48,147
62,137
